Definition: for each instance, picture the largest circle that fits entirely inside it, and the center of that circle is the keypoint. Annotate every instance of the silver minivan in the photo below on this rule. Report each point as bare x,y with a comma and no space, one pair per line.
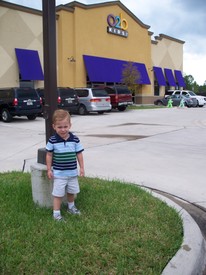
93,100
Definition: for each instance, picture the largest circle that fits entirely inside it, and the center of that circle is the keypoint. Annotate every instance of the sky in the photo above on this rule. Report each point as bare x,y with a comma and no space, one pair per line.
181,19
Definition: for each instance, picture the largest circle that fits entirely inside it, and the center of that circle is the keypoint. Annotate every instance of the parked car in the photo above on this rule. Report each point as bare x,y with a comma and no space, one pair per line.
66,98
121,97
93,100
176,99
19,102
200,99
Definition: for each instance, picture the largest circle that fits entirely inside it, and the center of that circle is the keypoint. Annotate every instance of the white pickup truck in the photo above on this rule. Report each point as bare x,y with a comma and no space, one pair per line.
201,101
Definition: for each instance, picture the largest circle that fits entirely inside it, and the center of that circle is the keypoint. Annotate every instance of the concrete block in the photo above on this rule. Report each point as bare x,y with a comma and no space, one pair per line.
42,186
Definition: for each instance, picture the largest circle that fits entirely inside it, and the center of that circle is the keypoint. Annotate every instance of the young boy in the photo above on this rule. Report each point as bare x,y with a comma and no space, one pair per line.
63,151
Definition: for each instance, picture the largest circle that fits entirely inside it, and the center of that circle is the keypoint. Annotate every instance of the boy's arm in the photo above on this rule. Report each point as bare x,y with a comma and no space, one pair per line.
49,156
81,163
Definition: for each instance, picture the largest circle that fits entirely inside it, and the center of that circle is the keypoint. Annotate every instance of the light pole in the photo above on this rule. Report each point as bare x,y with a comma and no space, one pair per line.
50,77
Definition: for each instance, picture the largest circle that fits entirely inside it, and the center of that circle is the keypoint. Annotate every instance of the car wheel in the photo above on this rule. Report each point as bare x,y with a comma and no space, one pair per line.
122,108
159,103
82,110
31,117
6,116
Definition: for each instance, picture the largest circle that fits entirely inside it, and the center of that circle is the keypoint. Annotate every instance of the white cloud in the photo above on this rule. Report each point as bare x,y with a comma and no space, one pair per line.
176,19
195,65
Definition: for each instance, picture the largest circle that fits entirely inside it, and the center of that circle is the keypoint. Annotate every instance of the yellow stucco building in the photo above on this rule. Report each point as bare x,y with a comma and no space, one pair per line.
93,43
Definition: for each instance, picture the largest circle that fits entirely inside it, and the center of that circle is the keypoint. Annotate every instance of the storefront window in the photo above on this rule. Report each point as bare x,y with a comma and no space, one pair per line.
156,88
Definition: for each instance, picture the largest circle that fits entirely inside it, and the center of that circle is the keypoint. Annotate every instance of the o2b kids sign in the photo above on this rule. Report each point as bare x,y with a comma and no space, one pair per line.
117,25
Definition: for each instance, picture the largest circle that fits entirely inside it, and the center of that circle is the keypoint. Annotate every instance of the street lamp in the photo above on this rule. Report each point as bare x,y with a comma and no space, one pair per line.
50,76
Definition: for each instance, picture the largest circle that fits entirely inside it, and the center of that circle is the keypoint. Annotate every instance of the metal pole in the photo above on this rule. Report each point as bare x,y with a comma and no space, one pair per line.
50,77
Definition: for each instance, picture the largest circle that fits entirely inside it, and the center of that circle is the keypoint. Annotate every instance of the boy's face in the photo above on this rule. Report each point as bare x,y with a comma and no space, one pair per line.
62,128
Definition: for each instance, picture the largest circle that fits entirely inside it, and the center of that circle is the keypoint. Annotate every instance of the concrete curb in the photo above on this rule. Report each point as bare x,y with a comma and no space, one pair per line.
191,257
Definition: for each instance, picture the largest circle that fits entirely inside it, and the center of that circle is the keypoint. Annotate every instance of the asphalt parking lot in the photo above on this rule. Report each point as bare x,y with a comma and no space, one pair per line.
163,149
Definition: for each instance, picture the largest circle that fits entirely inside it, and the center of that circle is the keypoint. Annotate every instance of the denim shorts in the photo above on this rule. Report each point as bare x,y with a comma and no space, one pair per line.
66,184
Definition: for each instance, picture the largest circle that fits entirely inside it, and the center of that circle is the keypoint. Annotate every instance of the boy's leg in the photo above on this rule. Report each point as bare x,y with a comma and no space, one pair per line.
57,203
71,205
72,190
58,193
56,208
70,198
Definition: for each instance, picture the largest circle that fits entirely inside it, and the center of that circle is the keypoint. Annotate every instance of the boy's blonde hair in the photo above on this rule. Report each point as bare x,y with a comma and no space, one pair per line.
60,115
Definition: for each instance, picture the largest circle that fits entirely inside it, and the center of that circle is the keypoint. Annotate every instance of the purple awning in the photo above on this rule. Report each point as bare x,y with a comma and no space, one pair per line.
170,77
159,76
29,64
180,78
101,69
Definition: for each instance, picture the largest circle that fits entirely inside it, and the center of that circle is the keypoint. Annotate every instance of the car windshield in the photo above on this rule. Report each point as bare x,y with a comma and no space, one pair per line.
67,92
169,92
191,93
175,96
30,93
99,92
123,91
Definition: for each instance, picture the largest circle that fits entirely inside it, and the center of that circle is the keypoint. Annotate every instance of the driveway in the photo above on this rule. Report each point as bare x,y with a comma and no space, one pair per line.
164,149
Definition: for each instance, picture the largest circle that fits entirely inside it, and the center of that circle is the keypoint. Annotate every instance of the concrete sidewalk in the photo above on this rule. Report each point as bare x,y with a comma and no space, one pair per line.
162,149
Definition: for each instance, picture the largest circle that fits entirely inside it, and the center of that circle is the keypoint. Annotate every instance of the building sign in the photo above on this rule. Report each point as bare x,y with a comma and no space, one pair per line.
117,25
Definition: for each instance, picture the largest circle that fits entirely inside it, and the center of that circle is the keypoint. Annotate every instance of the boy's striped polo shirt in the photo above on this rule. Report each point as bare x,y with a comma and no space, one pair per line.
64,154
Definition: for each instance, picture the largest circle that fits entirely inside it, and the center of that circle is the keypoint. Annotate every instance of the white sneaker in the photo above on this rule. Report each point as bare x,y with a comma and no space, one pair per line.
74,211
58,218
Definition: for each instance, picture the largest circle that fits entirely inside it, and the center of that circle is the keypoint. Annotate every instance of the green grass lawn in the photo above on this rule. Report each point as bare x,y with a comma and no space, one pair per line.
122,230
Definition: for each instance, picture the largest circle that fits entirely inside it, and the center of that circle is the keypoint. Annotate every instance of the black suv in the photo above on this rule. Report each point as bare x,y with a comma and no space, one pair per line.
66,98
19,102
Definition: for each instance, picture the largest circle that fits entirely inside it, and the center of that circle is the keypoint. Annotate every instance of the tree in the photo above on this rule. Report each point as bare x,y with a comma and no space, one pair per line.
191,84
202,89
189,80
130,76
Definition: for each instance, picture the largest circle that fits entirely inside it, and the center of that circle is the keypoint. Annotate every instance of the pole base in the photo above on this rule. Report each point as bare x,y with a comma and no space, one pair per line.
41,156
